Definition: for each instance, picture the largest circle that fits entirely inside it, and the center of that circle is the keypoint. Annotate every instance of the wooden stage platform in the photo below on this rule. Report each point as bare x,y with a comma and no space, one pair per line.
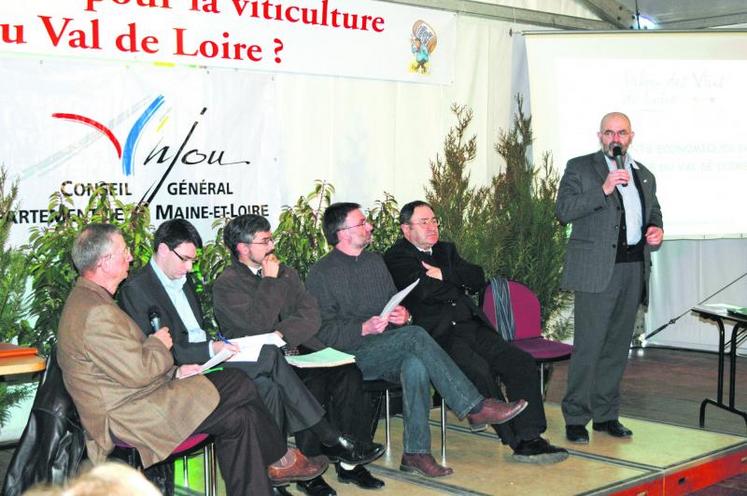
660,459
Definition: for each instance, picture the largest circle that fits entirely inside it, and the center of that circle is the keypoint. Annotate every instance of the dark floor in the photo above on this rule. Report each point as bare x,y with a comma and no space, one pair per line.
659,384
668,386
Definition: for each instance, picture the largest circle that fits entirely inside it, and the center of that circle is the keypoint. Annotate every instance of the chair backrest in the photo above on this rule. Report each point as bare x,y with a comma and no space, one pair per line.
524,308
527,311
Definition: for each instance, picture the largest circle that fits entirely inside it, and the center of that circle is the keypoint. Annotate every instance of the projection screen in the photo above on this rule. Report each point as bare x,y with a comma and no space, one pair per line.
685,95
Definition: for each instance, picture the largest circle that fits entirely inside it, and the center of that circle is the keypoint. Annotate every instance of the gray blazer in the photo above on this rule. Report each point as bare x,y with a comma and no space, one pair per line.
592,247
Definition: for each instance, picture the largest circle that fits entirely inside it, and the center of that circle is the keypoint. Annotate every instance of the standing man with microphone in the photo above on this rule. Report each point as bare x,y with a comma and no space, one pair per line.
610,200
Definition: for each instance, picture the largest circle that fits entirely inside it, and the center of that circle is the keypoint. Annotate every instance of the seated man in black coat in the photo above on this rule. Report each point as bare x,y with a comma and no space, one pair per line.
440,305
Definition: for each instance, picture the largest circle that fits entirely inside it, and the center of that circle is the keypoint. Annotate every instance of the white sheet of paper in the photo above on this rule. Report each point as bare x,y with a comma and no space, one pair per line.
397,299
252,345
219,357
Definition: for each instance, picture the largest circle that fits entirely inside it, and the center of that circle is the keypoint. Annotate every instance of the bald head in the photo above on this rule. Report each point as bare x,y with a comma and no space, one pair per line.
613,115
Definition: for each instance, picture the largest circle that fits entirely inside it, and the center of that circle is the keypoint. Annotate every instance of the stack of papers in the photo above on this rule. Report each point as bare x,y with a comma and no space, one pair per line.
328,357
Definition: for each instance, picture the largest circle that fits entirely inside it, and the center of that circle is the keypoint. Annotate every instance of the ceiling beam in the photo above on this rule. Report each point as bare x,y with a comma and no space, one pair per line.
512,14
706,22
612,11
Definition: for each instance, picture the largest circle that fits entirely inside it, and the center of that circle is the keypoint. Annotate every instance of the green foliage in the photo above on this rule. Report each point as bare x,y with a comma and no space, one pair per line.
531,240
9,397
211,260
509,228
384,217
299,241
13,325
50,264
458,205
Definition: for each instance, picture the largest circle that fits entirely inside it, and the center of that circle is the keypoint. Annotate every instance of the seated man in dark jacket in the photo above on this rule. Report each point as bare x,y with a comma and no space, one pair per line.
440,305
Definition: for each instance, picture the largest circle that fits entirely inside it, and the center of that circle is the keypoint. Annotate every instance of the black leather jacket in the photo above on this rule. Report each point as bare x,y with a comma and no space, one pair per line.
53,443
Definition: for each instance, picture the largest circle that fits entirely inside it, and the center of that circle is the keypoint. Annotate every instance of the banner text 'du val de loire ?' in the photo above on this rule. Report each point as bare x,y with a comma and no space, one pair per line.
121,93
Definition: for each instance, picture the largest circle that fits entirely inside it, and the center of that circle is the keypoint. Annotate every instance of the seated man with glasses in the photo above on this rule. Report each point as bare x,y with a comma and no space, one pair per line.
162,287
257,294
441,305
353,286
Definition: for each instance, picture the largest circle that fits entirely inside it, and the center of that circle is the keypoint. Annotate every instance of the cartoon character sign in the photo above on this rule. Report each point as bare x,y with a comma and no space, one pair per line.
422,45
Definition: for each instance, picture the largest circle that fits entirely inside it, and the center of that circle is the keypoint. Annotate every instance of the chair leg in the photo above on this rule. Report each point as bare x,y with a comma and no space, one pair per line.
443,432
542,381
211,475
386,422
185,470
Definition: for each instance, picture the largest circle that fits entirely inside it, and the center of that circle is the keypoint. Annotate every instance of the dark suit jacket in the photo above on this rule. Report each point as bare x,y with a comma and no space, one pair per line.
592,247
438,306
141,291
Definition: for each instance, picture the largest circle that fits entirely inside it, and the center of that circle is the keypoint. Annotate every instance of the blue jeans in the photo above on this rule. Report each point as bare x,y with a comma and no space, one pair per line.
410,357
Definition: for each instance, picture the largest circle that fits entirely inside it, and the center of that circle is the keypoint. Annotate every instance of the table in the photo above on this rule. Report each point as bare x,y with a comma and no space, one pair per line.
738,335
21,365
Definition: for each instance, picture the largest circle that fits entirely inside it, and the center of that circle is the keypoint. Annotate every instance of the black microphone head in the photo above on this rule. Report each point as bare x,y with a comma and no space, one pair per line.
154,317
617,151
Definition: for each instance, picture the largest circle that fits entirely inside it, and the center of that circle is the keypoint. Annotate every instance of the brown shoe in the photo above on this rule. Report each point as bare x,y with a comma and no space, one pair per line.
294,467
424,464
496,412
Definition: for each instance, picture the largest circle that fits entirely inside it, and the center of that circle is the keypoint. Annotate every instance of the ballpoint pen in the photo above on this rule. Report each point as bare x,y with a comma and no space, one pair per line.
222,338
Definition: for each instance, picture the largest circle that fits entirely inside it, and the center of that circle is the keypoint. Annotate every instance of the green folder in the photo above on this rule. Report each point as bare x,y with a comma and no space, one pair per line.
328,357
738,311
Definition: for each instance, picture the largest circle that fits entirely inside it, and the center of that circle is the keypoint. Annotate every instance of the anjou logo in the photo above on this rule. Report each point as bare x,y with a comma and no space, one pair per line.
158,154
127,154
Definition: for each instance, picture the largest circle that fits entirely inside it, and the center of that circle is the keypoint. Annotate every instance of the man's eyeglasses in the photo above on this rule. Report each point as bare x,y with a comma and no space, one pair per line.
365,221
182,257
426,222
266,241
620,134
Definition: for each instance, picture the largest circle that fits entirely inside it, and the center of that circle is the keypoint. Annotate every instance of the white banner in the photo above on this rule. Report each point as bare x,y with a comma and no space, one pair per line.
357,38
196,144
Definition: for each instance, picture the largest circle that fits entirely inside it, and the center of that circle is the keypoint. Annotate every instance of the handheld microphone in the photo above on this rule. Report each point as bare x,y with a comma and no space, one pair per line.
618,155
155,318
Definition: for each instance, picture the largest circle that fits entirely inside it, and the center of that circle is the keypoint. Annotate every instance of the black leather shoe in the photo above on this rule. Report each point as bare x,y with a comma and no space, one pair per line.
316,487
539,451
280,491
613,428
353,452
360,476
577,434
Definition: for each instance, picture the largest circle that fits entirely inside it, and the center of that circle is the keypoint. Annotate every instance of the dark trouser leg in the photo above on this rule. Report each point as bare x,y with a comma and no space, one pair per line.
283,389
605,397
349,408
516,369
246,437
593,337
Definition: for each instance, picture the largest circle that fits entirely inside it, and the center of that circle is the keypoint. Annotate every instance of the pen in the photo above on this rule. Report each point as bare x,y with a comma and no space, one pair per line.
214,369
223,338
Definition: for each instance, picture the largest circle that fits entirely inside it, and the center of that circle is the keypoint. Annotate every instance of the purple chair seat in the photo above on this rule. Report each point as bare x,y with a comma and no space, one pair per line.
527,317
545,350
187,445
184,449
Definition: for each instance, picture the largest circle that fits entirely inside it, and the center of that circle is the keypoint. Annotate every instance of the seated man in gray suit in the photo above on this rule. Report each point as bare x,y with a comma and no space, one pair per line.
610,200
163,286
123,383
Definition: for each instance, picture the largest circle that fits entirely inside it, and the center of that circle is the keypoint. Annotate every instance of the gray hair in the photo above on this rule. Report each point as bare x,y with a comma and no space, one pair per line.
91,244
